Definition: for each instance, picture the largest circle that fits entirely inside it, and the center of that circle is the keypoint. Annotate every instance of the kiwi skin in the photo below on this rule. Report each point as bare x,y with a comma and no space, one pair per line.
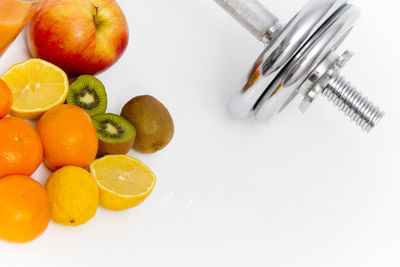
114,149
153,123
113,146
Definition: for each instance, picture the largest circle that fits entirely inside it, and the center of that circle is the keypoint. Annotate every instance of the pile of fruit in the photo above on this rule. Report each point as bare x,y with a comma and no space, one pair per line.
83,146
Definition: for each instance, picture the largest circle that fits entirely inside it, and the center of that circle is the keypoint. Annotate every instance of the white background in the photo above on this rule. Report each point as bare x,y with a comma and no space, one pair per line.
306,191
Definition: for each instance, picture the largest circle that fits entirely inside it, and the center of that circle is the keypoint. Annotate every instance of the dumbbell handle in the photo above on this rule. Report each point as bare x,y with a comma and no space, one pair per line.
252,15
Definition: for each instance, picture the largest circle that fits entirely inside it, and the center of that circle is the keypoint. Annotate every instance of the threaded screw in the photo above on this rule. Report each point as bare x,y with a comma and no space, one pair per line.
360,110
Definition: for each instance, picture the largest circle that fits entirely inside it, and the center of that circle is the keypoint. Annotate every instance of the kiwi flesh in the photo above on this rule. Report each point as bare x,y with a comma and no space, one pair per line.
88,93
153,123
116,134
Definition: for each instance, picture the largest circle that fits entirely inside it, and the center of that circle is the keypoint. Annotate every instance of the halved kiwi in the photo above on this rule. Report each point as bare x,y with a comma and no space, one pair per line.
88,93
116,134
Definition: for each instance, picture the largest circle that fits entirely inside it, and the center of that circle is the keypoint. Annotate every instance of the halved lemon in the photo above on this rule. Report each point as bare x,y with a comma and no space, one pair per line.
124,182
37,86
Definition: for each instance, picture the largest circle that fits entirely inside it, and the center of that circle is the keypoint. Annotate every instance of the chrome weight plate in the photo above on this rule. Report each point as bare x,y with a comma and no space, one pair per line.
325,40
284,47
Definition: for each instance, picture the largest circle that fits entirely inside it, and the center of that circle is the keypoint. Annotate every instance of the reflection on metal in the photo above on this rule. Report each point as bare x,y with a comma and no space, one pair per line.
299,59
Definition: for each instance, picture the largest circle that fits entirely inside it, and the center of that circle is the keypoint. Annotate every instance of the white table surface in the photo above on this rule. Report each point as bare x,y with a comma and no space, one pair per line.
306,191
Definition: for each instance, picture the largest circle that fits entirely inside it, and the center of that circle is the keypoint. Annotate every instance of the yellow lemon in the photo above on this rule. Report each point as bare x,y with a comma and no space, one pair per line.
124,181
74,196
37,86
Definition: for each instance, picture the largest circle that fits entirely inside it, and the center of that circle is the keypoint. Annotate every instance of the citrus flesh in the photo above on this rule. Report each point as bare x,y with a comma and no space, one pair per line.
37,86
124,182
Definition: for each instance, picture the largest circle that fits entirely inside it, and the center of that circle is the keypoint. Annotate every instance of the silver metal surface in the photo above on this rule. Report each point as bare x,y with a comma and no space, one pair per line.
352,103
300,58
252,15
278,54
326,39
321,76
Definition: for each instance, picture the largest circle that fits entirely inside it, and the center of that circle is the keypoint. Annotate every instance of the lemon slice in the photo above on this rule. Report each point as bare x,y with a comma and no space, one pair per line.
124,182
37,86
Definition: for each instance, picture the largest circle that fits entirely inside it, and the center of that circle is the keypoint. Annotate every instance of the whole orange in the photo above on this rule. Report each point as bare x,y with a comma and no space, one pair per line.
21,150
6,99
68,136
24,208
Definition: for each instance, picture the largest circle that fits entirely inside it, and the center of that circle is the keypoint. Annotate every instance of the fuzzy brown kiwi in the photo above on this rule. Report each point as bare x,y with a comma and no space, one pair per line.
153,123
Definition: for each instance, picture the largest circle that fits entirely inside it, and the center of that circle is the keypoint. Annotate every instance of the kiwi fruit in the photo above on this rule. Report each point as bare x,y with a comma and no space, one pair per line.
88,93
153,123
116,134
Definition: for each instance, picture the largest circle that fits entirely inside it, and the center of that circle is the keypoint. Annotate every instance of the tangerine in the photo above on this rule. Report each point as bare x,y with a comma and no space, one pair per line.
6,99
21,150
24,208
68,136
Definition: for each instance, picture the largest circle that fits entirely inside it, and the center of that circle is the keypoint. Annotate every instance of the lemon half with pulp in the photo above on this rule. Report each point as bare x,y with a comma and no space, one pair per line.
37,86
124,182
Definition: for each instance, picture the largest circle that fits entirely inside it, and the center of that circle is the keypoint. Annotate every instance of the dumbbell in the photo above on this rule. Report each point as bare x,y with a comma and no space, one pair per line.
300,58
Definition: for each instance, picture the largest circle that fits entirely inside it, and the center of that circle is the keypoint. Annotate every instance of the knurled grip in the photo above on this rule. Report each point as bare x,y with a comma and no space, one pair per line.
252,15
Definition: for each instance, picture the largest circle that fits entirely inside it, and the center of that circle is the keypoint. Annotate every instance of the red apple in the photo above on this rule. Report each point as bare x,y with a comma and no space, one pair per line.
79,36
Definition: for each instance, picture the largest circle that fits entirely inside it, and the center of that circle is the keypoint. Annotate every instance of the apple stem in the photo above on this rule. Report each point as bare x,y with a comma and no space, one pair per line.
97,13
